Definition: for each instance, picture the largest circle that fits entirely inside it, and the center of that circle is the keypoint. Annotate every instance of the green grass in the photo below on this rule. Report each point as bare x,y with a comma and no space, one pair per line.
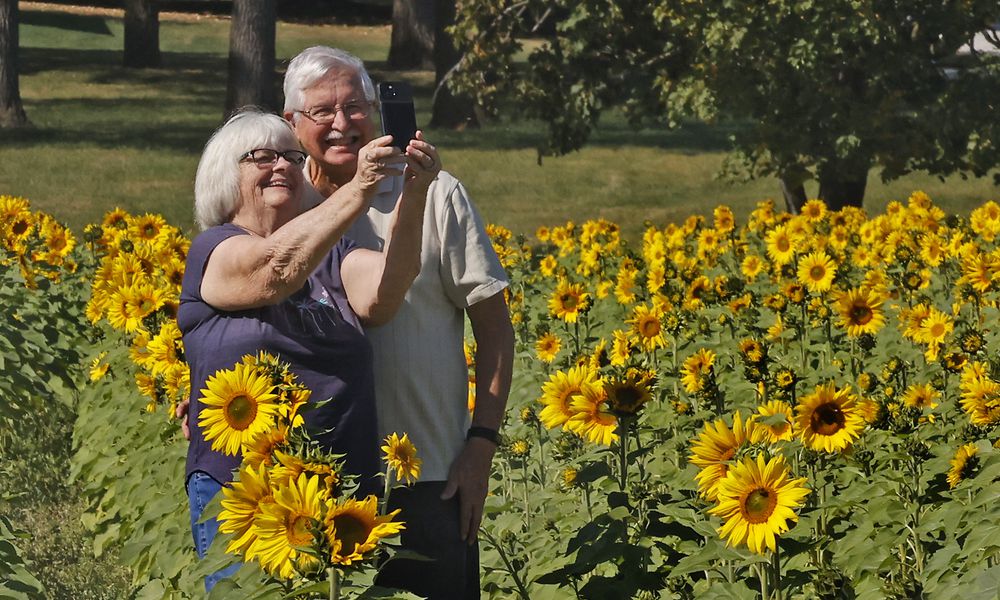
107,136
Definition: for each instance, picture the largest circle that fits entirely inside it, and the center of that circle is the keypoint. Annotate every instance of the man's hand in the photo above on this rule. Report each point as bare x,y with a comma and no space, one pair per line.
376,161
181,412
423,164
470,478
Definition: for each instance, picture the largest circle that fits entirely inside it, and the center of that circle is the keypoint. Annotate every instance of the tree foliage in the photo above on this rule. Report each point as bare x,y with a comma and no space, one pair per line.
822,90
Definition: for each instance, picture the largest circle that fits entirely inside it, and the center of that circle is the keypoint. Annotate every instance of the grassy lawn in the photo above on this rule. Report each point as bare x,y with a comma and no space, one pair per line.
107,136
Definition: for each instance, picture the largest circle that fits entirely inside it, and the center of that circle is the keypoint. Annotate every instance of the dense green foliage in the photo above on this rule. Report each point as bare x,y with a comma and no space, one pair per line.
821,90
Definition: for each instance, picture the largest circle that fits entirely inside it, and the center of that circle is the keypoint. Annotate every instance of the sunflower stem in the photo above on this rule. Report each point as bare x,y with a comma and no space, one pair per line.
384,504
522,591
334,577
776,571
623,453
762,577
542,473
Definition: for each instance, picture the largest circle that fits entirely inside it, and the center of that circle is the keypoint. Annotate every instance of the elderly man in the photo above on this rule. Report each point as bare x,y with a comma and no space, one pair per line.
420,370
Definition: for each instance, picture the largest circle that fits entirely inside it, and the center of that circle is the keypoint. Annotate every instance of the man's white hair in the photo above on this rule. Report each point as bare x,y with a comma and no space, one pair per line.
312,65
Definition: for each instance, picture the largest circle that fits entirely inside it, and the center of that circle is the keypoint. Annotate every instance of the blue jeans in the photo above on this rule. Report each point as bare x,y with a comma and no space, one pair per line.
201,488
432,529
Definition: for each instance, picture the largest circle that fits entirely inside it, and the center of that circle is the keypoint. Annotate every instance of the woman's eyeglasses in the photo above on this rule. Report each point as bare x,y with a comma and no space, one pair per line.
266,157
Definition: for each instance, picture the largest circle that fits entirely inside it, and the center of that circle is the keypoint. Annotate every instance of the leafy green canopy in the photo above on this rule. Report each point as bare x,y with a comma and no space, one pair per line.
822,90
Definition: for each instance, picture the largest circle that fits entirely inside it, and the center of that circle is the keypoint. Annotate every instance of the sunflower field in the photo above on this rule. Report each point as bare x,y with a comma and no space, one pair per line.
792,407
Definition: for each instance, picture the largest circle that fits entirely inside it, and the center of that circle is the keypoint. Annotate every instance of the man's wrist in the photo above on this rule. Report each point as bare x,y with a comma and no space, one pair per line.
485,433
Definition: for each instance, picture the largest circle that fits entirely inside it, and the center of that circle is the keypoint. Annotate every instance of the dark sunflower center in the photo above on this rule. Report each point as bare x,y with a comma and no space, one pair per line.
626,398
861,314
569,301
240,412
827,419
817,273
759,505
350,531
783,245
20,227
650,328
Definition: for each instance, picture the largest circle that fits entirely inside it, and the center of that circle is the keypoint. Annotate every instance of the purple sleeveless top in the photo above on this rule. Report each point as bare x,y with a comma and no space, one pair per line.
314,330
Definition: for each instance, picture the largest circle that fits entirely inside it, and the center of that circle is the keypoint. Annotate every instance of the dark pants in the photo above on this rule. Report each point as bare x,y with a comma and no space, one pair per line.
201,489
432,530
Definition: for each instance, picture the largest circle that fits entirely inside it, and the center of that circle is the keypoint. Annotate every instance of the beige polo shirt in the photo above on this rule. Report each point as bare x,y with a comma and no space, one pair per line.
421,379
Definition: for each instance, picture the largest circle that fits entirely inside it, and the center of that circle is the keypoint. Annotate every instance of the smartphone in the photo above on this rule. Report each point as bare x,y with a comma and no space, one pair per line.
398,116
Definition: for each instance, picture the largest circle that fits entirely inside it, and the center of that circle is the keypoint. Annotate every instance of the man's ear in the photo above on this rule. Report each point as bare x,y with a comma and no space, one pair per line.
288,117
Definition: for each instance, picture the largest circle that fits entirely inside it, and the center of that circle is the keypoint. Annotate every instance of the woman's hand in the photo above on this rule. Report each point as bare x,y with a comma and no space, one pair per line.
422,164
376,161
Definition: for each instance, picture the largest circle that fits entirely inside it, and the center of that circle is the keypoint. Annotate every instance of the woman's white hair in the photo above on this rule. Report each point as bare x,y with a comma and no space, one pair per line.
312,65
216,185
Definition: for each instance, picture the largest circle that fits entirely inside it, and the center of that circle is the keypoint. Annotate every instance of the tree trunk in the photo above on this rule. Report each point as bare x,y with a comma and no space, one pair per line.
11,110
251,56
142,34
449,110
412,45
793,190
838,191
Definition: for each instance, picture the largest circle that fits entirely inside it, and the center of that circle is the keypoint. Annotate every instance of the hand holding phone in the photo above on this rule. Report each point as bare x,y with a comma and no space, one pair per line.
399,119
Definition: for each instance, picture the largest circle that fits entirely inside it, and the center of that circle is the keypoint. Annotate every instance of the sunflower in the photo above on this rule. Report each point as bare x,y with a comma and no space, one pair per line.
262,449
980,397
627,395
780,245
828,419
716,445
625,286
776,419
963,465
860,311
724,219
751,266
354,528
816,271
325,466
592,418
934,327
756,501
164,348
621,348
647,325
558,391
99,368
547,347
814,210
238,405
401,455
290,522
696,367
920,396
568,301
241,505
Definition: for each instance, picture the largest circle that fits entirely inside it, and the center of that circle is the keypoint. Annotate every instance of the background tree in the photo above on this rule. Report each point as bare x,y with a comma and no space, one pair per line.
452,109
412,40
11,109
818,91
142,34
251,55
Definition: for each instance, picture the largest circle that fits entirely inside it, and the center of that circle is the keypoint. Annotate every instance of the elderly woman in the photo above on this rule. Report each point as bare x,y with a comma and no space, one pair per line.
266,275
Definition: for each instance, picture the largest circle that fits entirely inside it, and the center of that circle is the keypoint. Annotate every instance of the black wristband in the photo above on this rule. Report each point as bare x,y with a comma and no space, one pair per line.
483,432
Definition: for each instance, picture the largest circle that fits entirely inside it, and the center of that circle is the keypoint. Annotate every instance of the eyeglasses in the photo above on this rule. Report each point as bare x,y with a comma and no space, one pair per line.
266,157
322,115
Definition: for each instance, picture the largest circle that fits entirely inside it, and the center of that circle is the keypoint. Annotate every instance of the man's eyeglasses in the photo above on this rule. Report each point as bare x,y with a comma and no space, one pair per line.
265,157
322,115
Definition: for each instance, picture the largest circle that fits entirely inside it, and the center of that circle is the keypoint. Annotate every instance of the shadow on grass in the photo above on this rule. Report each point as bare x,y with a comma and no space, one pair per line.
60,20
178,99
